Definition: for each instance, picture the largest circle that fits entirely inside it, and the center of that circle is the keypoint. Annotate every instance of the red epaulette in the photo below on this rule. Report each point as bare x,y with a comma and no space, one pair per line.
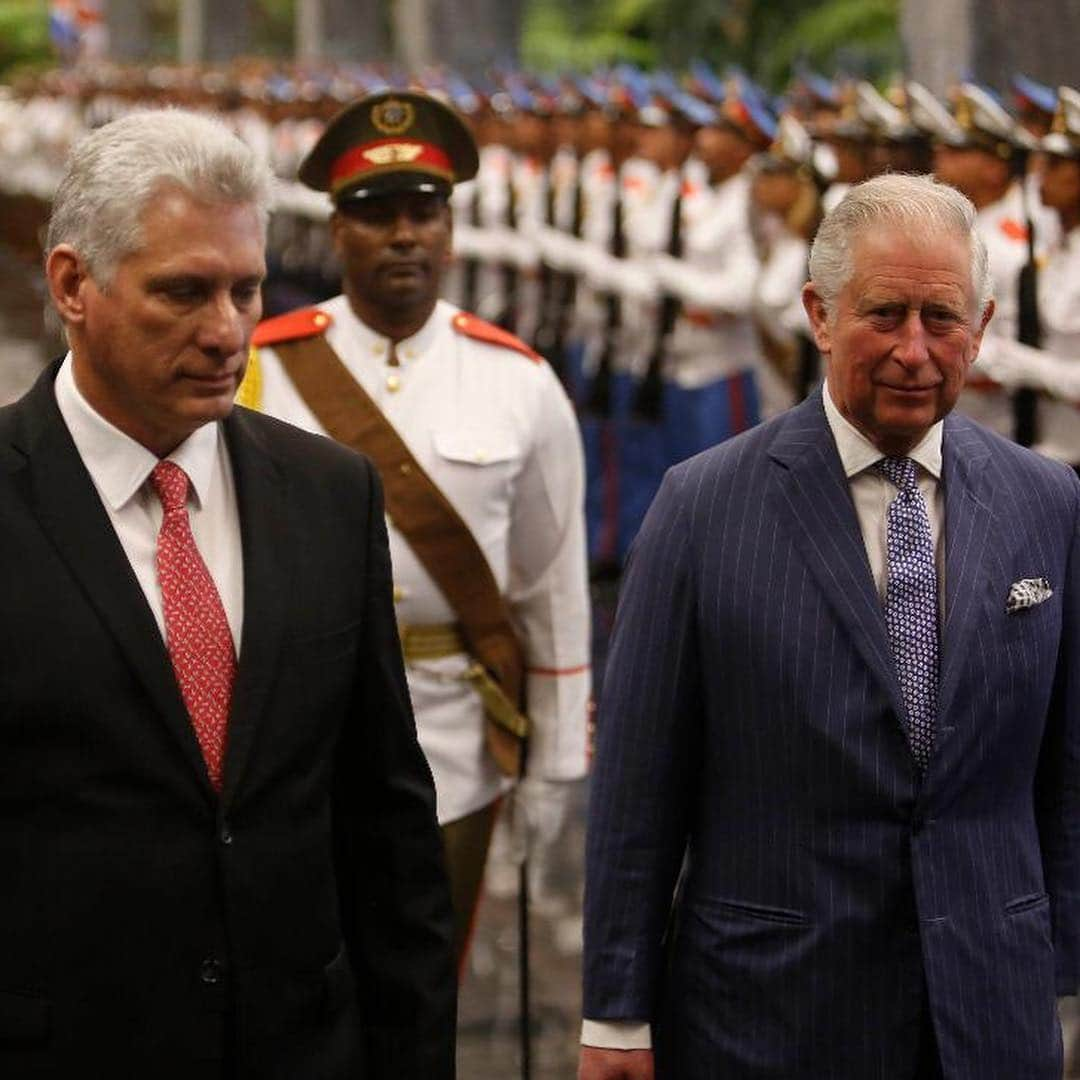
305,323
471,326
1014,230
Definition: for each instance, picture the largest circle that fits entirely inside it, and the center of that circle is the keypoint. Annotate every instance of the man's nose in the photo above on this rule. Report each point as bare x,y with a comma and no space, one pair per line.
403,229
223,327
911,346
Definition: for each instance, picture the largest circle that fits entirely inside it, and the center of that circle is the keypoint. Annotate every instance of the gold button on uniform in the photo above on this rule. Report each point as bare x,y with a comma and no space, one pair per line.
393,383
399,594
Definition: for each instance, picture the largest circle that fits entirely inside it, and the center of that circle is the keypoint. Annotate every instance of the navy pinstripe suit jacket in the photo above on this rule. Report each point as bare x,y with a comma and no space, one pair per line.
751,734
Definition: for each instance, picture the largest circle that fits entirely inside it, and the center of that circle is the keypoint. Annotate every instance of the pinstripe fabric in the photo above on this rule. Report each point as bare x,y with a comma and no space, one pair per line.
750,721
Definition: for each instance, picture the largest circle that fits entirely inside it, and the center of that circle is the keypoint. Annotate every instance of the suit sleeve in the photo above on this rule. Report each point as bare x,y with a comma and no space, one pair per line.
1057,792
645,772
395,898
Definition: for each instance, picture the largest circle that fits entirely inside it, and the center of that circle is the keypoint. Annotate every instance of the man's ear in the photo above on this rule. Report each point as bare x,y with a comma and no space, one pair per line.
818,316
67,278
984,319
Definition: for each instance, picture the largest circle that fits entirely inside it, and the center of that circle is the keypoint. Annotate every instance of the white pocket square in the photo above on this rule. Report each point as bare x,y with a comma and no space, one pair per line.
1027,594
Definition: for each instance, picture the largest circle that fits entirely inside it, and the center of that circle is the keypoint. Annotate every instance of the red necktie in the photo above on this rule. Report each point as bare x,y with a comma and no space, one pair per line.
196,630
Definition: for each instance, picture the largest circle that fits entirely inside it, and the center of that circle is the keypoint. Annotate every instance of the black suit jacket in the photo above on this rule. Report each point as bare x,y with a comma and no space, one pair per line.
297,926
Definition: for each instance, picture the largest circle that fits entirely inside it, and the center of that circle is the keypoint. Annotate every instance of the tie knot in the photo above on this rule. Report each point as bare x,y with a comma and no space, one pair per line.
900,471
171,484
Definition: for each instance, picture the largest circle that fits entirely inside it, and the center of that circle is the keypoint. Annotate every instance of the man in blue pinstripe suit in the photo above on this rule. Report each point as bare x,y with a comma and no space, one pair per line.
834,830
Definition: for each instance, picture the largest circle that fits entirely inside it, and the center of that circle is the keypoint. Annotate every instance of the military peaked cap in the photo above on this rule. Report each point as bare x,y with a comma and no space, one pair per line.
392,141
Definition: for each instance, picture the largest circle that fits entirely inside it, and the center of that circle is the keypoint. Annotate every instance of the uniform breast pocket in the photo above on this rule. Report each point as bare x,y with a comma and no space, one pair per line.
476,467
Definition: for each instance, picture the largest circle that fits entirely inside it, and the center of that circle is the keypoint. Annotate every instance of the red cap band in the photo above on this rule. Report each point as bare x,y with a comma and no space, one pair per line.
390,155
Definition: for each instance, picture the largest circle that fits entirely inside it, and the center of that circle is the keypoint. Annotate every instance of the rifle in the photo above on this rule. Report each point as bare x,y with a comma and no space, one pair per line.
1025,401
508,318
560,294
599,400
471,271
649,399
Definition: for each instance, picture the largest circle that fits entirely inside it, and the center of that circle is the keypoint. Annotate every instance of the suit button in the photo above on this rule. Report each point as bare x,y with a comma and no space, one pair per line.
226,835
211,972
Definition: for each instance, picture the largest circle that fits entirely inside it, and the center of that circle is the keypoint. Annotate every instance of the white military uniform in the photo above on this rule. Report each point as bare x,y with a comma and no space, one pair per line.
481,231
494,430
1053,369
1003,228
714,336
778,310
1059,317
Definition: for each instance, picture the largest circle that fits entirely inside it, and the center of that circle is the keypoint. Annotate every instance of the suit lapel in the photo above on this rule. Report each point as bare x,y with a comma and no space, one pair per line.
816,506
72,516
969,524
267,544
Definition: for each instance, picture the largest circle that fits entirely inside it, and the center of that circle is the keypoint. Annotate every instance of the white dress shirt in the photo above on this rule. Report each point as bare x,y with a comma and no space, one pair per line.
871,494
120,469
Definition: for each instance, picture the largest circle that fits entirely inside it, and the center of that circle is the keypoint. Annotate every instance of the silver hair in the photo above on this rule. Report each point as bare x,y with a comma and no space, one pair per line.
916,204
114,172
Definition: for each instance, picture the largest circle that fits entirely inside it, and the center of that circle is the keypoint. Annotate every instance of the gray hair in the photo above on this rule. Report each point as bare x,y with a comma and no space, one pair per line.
919,204
114,172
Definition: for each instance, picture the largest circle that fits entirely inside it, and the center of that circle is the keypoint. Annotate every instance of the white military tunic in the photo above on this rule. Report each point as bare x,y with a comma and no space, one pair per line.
1003,227
495,431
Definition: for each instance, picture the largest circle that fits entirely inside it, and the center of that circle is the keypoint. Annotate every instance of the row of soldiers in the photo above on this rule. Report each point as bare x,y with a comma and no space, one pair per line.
649,234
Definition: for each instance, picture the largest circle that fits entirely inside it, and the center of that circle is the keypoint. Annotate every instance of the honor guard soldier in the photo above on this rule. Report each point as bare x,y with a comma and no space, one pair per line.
481,459
982,151
1055,366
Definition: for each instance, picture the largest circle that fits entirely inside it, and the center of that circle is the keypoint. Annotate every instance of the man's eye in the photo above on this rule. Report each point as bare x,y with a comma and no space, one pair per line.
183,292
941,320
244,295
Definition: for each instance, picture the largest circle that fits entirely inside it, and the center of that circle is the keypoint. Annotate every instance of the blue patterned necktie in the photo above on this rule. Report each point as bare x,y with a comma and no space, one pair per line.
911,603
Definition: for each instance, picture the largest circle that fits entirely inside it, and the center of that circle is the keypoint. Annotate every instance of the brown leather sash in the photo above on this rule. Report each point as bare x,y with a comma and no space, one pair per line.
434,530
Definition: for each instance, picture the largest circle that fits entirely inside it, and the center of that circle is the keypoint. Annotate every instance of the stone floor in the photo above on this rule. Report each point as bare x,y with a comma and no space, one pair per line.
489,1034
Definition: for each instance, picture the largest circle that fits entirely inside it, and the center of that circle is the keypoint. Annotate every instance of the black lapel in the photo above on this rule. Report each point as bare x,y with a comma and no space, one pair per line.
816,505
266,539
72,516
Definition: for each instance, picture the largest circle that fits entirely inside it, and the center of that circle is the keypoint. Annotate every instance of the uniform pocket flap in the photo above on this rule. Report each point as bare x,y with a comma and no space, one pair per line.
475,446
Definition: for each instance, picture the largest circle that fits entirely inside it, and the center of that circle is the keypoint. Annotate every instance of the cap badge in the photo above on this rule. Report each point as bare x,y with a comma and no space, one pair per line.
393,153
393,117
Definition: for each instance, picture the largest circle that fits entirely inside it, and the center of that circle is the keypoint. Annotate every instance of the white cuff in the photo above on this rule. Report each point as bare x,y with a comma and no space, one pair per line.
616,1034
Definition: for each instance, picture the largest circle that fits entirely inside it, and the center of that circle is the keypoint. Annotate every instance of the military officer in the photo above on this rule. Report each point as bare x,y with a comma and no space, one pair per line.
481,457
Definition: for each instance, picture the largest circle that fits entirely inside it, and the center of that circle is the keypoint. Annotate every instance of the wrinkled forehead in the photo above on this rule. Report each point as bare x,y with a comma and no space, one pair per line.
917,242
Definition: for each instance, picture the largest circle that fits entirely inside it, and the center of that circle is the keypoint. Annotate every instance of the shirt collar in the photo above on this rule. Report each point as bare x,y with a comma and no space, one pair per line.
118,465
858,453
370,343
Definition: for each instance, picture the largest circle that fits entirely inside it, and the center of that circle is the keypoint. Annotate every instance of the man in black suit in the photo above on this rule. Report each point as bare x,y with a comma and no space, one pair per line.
217,829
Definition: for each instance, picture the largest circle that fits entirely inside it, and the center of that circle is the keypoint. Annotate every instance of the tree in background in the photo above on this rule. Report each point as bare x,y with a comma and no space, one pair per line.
766,37
24,37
